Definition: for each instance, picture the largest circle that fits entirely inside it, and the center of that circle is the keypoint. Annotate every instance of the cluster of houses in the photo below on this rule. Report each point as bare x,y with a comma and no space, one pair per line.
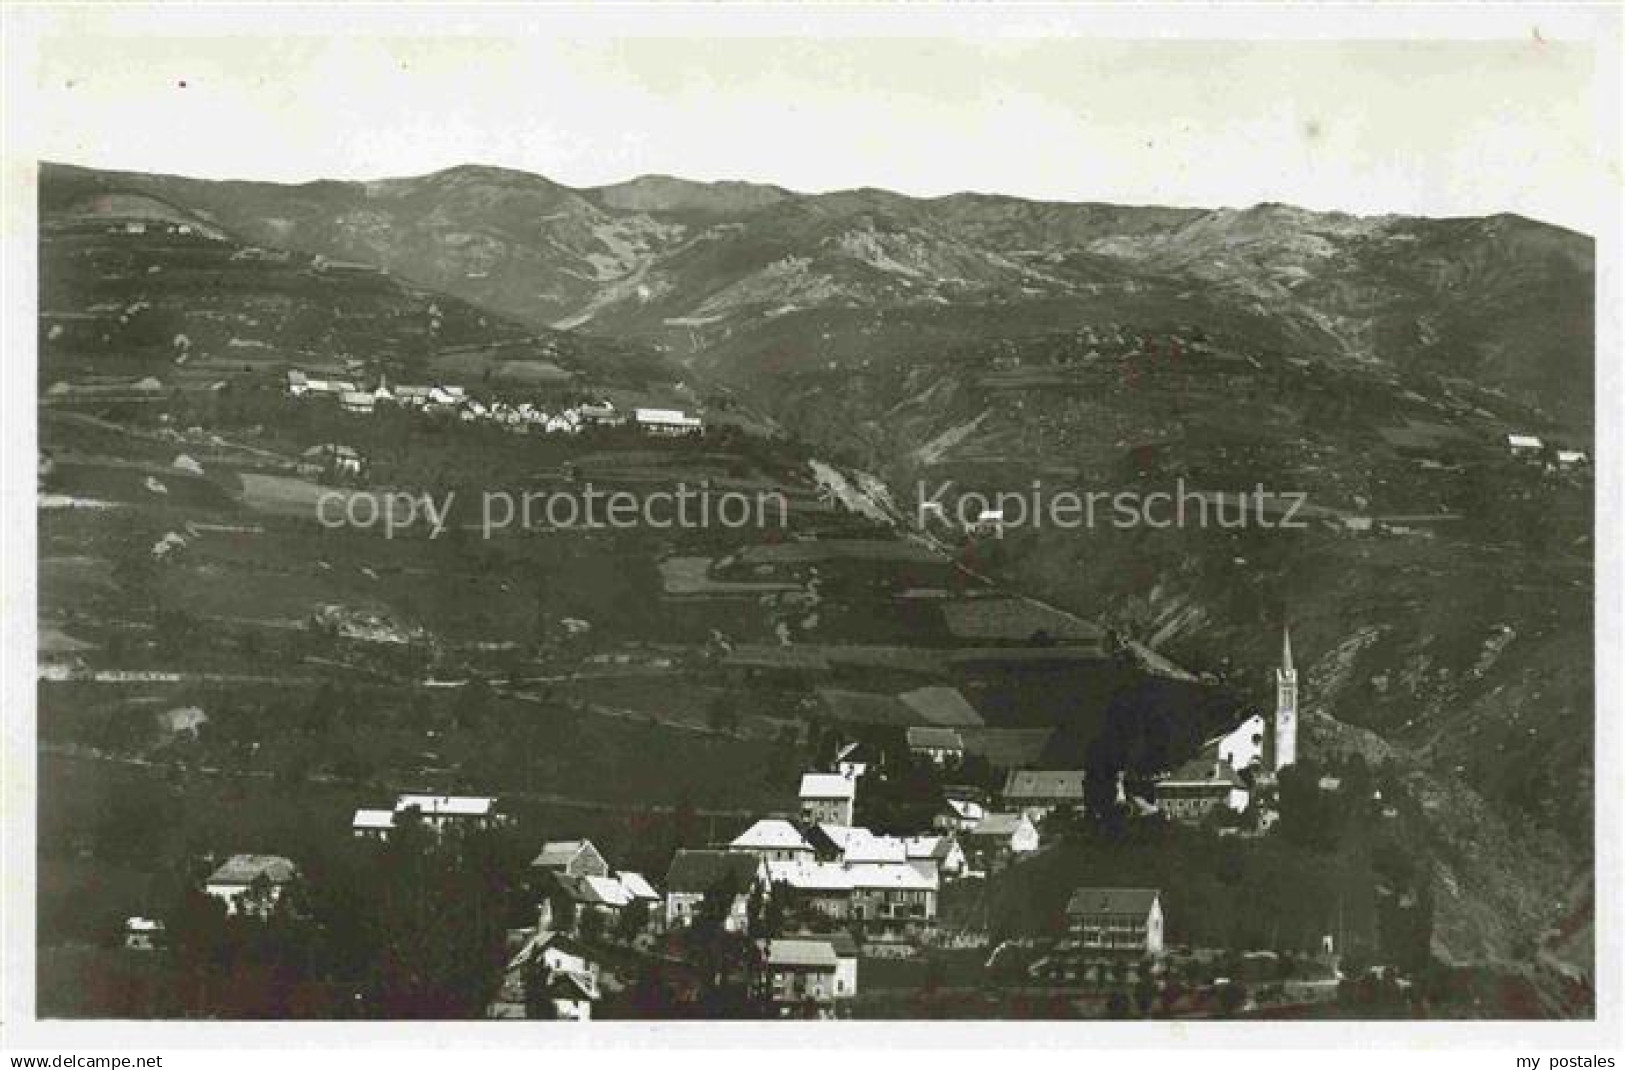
517,416
1532,448
844,886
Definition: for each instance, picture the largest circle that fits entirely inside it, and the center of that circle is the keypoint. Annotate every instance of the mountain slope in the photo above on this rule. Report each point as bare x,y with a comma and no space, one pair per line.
697,266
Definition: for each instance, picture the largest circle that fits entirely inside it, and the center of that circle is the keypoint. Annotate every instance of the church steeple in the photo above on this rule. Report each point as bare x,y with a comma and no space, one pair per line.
1286,706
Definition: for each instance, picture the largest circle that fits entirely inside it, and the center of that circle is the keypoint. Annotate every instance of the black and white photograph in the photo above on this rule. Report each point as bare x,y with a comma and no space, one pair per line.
1075,516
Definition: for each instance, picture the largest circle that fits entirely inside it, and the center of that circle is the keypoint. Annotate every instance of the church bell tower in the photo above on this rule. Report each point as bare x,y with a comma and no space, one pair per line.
1286,706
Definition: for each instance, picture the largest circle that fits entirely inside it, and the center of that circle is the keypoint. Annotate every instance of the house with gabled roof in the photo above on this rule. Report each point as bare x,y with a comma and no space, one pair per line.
571,858
442,813
1120,920
999,839
772,840
696,873
892,896
371,824
250,884
1040,792
638,887
958,815
1199,787
939,746
852,760
938,856
800,976
438,814
569,976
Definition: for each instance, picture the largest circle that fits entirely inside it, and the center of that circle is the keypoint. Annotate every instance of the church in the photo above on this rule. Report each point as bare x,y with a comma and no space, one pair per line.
1215,778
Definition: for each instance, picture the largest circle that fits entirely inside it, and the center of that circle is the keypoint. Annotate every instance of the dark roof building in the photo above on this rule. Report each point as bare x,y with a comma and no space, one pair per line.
935,739
698,872
1131,901
1043,787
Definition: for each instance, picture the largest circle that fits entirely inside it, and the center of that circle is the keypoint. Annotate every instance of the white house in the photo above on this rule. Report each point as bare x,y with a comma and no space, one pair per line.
999,839
572,858
667,422
694,874
1524,445
893,895
827,797
143,934
1195,789
372,824
442,813
357,401
773,840
240,875
959,815
801,975
825,887
935,856
569,976
860,845
1127,920
852,760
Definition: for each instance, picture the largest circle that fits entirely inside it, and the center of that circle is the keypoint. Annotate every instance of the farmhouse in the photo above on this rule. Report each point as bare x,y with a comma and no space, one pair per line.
604,896
801,976
1127,920
667,422
571,858
442,813
250,884
372,824
1524,445
827,797
570,978
958,815
1037,793
939,746
937,857
999,839
693,874
852,760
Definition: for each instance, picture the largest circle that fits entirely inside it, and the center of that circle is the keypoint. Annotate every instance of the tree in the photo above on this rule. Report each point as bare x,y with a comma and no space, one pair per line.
536,978
634,920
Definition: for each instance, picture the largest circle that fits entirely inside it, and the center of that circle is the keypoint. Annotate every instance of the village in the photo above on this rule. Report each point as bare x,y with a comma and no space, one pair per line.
809,903
851,768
